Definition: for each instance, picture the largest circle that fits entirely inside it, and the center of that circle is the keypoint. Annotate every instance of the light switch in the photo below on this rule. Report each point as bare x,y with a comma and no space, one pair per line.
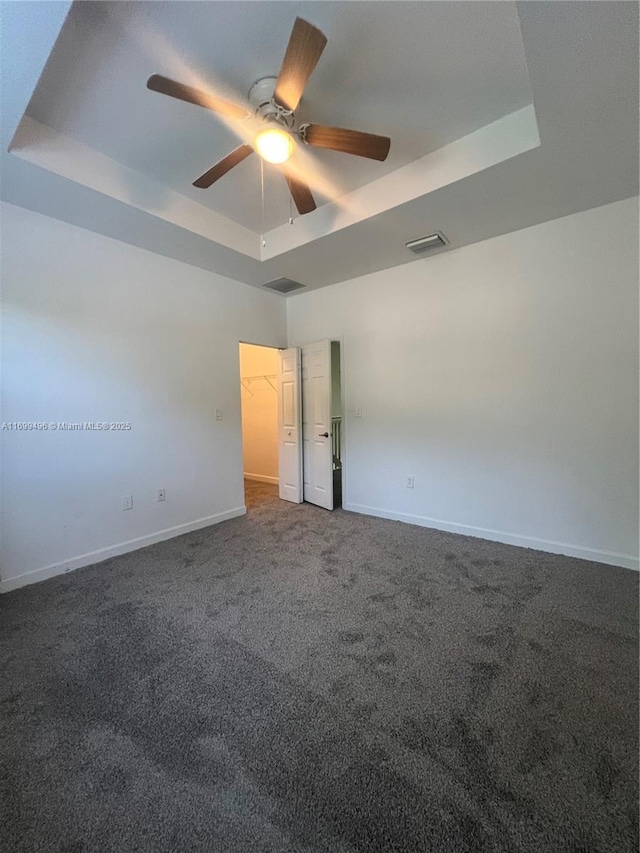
218,414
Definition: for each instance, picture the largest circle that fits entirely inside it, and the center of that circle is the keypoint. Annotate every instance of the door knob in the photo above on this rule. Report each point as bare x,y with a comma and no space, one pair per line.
323,434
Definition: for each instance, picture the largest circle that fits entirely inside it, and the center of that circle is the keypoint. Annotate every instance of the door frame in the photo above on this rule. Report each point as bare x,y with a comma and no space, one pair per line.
240,341
343,425
343,414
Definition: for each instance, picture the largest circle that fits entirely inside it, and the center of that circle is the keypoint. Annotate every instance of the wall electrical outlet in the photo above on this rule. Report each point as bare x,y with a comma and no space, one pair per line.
409,483
127,502
160,496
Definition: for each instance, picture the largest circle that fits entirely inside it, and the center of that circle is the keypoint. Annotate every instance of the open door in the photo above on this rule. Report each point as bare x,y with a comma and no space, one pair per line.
289,433
316,424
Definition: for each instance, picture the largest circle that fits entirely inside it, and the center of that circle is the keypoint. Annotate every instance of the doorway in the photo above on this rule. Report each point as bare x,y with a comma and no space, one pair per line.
259,409
292,436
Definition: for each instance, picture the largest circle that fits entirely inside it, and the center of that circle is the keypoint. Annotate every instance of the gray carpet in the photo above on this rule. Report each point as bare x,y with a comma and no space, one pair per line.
299,680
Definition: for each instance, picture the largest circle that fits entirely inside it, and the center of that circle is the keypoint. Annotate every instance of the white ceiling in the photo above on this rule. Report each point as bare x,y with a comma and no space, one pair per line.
425,73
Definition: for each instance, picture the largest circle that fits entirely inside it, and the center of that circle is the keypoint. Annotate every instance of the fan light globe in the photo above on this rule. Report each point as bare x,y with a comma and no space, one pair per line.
274,146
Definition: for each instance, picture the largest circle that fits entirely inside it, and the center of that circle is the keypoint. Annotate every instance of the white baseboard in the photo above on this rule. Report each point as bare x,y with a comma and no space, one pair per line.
115,550
611,558
262,478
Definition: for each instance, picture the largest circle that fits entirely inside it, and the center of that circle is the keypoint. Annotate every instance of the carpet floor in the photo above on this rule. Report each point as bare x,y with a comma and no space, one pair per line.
296,681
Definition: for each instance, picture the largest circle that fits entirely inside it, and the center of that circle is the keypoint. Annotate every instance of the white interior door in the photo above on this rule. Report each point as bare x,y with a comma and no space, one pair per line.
289,432
317,463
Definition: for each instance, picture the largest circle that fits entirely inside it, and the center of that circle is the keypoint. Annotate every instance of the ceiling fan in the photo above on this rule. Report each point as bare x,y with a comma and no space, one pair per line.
274,101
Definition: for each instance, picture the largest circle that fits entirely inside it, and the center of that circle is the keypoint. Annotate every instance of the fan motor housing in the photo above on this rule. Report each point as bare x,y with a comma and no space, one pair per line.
261,99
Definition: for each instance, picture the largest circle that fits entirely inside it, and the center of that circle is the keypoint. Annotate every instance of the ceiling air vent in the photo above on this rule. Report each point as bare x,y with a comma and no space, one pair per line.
427,244
283,285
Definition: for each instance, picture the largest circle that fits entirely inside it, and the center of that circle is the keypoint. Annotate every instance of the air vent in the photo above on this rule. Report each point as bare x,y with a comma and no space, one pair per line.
427,244
283,285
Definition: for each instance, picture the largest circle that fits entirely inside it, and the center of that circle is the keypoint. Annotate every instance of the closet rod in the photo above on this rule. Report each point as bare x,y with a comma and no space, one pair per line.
267,376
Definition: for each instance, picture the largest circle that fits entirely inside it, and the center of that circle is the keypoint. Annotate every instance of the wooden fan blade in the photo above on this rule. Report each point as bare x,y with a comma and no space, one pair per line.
158,83
224,166
305,47
300,193
349,141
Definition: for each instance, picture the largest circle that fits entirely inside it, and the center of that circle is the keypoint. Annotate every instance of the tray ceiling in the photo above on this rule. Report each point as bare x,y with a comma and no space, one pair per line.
425,74
502,116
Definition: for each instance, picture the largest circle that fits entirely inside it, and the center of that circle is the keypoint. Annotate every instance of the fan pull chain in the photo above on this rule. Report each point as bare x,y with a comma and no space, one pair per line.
290,209
264,242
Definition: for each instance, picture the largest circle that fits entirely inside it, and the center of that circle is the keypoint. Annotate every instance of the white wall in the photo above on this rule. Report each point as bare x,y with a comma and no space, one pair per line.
259,412
97,330
504,377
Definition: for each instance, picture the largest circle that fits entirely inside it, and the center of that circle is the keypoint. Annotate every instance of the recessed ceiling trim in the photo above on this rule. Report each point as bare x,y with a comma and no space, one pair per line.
501,140
41,145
